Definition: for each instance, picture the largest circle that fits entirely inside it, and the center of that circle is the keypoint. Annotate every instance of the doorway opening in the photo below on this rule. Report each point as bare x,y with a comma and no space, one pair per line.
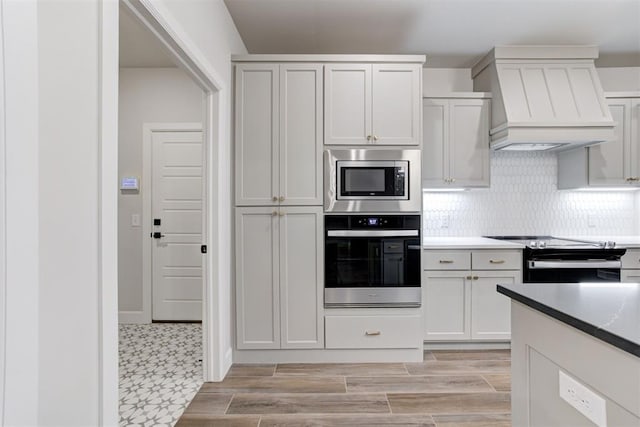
168,137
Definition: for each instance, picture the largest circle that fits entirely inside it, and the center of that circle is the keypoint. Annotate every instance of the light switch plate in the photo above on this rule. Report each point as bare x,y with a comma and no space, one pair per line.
135,220
587,402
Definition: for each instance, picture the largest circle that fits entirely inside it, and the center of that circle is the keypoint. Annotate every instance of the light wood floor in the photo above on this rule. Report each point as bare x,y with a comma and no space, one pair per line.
450,388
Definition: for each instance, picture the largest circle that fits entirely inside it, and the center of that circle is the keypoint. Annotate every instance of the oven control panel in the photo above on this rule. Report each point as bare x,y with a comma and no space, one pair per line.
353,222
373,222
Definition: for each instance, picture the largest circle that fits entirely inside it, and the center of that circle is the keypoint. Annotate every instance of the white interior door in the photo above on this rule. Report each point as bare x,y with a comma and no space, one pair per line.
176,199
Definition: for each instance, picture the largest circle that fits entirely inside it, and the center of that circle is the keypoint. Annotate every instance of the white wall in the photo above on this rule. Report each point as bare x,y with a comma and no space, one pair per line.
69,364
620,78
524,199
209,26
19,283
441,81
147,95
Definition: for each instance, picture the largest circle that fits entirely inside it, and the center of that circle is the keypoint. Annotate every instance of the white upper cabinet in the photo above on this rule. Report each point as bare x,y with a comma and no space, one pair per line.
615,163
372,104
455,151
278,134
300,134
257,134
347,106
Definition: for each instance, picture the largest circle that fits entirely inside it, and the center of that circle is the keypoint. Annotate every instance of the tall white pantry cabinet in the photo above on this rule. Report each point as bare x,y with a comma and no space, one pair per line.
278,197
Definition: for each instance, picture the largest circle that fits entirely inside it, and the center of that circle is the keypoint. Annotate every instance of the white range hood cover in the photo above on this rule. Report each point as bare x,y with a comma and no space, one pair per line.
544,97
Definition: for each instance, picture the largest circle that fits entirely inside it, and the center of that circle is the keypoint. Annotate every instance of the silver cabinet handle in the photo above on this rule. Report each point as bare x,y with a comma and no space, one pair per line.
469,278
274,213
282,198
368,137
281,213
475,277
446,261
275,198
375,137
496,261
372,333
453,180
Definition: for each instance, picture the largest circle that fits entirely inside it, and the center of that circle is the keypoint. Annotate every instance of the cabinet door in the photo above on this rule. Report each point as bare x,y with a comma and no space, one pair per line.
491,311
446,305
257,278
396,104
301,277
469,142
630,276
435,124
609,162
300,134
347,103
256,134
634,139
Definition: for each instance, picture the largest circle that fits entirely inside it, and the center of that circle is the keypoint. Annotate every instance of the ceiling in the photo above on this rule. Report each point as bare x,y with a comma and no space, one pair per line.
452,33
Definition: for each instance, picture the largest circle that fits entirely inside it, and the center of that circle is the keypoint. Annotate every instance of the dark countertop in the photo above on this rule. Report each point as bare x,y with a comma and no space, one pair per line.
607,311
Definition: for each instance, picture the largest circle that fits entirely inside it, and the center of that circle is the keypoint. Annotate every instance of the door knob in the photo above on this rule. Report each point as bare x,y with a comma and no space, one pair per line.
157,235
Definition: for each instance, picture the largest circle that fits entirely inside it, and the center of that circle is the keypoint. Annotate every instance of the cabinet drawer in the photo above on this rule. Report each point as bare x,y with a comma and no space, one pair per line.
447,260
496,260
631,259
373,332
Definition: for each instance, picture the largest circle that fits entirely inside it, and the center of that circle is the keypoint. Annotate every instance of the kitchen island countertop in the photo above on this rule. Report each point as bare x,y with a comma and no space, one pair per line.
607,311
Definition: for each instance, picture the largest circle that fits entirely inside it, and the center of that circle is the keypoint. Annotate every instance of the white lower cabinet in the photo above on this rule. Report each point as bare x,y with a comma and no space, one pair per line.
462,305
279,278
446,304
491,311
630,272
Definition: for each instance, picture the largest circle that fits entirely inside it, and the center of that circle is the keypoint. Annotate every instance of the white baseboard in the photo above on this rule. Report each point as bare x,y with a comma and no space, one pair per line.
137,317
460,345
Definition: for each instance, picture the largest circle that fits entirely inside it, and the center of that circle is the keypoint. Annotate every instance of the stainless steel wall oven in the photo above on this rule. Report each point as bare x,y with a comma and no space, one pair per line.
372,261
372,180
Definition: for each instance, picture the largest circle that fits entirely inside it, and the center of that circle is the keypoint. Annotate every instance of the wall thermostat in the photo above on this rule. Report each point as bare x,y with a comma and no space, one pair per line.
129,183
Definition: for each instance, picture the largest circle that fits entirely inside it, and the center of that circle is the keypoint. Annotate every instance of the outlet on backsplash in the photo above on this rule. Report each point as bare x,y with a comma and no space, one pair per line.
444,220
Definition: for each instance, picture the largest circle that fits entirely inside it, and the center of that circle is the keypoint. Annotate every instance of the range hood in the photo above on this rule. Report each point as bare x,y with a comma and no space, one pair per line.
544,97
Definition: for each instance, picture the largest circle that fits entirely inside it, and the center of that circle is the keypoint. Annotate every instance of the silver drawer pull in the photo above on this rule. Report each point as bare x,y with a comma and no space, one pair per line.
372,333
446,261
496,261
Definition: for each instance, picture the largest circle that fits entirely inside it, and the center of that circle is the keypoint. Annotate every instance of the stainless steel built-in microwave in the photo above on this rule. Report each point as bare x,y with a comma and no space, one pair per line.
372,180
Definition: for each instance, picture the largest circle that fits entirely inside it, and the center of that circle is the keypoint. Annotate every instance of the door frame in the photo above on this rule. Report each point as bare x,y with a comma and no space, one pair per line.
148,129
216,358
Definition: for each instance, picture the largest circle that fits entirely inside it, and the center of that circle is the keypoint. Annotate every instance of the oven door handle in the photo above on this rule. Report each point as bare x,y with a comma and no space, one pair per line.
535,265
372,233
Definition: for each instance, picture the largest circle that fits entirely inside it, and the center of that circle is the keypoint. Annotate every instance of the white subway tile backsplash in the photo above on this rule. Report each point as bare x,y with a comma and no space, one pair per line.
524,199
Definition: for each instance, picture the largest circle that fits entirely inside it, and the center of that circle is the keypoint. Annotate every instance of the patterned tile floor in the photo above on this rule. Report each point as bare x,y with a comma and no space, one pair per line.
160,372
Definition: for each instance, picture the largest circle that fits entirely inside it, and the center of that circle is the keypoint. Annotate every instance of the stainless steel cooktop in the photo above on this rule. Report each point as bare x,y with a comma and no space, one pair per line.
551,242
